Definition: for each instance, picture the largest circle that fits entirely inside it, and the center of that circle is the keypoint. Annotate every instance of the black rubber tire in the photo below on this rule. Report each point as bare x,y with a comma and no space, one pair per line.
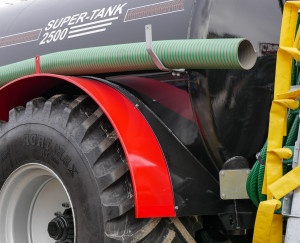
73,137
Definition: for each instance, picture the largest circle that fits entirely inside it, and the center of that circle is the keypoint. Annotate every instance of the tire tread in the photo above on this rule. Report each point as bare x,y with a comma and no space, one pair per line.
85,124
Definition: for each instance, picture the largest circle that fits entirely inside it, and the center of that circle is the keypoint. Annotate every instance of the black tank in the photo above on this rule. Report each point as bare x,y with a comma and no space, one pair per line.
229,107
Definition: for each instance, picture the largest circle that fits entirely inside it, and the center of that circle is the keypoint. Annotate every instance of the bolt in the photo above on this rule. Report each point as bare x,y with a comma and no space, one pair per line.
176,207
223,195
178,74
136,105
154,100
66,205
285,199
222,173
58,214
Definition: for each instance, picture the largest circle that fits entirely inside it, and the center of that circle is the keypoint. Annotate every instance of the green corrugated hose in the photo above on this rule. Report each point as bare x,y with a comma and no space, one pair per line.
256,176
188,54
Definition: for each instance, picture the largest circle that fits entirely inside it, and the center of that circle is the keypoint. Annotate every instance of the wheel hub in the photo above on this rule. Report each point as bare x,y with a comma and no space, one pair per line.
61,228
28,200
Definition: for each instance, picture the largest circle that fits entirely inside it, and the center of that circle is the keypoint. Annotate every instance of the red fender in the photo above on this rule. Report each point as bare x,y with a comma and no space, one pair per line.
150,177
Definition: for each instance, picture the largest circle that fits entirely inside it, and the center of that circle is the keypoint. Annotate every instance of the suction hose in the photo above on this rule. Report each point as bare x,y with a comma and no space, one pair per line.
174,54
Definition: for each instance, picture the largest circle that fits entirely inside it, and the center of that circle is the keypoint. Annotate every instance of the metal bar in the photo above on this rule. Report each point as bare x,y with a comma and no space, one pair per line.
152,54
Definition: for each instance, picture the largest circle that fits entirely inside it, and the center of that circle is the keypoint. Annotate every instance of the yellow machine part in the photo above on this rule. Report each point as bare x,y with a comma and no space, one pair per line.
268,225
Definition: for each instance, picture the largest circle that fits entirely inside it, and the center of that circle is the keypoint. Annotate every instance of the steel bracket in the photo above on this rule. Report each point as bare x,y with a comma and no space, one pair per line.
287,204
152,54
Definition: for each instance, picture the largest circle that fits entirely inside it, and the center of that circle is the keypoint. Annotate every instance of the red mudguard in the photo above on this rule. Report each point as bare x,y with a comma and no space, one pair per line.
150,177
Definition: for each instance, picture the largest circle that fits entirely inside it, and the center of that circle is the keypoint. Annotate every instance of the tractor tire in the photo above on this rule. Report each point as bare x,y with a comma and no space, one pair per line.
64,178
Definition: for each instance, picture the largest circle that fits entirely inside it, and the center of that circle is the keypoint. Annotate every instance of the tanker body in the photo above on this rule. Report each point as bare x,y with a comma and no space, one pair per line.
103,142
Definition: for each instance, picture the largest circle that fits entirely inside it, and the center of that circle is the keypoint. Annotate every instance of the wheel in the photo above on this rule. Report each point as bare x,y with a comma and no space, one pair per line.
64,178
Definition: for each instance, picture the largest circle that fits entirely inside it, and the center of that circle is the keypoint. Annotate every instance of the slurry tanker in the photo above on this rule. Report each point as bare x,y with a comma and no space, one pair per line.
149,121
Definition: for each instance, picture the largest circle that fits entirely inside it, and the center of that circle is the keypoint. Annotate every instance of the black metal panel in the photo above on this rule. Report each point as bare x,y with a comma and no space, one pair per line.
235,112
